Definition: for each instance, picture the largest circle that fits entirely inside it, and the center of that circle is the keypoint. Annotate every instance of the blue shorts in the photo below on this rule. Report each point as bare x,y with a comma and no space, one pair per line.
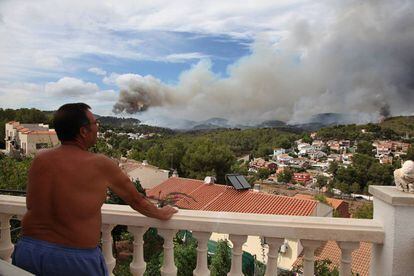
45,258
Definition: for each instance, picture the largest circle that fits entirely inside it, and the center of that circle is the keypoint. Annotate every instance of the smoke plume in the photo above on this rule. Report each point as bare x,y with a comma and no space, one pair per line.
361,62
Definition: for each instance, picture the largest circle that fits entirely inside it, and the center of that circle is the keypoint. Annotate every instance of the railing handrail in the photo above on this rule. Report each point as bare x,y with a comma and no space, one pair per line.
295,227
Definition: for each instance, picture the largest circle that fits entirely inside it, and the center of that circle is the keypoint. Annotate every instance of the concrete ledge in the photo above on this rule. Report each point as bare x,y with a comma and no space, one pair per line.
391,195
7,269
294,227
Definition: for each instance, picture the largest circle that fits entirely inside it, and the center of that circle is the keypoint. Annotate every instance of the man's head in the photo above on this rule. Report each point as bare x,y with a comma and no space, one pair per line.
74,122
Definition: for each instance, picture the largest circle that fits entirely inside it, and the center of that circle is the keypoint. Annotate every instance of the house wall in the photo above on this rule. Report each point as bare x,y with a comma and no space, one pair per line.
343,210
323,210
9,132
32,139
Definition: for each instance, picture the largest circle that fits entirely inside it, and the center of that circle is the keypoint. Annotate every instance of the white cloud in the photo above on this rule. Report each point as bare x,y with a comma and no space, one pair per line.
57,33
183,57
70,87
54,94
97,71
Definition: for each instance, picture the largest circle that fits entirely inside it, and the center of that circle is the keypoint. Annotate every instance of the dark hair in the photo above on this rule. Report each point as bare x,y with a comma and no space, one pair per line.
68,120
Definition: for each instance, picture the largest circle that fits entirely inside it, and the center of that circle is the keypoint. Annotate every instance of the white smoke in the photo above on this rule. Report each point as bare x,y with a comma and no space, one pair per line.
361,63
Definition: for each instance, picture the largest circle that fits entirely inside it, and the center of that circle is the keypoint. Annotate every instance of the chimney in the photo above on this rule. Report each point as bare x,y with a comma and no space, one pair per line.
209,180
175,173
256,188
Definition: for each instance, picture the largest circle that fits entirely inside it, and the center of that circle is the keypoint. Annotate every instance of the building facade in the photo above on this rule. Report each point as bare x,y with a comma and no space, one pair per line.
27,139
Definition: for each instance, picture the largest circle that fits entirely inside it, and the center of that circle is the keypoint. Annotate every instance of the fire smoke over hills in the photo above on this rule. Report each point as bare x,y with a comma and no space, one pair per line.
361,62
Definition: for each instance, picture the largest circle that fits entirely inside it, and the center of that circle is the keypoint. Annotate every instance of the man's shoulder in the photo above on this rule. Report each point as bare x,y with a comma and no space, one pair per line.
103,160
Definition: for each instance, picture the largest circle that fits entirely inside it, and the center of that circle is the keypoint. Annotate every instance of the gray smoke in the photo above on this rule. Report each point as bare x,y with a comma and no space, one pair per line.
139,93
360,63
385,111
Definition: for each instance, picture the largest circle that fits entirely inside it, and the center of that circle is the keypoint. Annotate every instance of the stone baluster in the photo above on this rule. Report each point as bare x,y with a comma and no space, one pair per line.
237,251
6,246
168,267
202,249
138,264
309,247
107,246
346,257
274,245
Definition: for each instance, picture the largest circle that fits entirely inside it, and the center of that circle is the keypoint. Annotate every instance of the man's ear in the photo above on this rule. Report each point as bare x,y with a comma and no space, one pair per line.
83,132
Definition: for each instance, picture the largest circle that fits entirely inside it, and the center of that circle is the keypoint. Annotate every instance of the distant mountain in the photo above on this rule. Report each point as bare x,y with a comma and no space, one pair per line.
212,123
327,119
321,120
271,124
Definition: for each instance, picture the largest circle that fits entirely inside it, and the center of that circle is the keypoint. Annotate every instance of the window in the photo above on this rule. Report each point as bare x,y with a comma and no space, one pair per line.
41,145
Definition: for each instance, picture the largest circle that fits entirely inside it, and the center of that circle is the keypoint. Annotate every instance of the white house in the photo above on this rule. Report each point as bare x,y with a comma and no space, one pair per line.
278,151
27,139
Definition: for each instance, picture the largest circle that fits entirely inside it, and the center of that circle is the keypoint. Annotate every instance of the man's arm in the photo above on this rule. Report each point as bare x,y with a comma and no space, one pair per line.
120,184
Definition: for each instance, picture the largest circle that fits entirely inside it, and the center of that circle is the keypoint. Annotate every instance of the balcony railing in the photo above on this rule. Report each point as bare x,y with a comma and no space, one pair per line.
312,231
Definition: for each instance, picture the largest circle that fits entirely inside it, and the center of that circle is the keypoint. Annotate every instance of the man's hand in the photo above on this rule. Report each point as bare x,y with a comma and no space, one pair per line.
167,212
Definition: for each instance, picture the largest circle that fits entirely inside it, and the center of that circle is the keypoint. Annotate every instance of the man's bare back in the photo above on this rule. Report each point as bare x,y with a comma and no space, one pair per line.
66,189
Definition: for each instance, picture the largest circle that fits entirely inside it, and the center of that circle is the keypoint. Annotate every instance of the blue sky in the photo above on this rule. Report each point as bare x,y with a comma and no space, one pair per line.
244,61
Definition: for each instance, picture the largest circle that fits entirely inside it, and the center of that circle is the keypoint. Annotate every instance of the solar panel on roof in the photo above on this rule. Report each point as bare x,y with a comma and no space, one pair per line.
243,181
234,182
238,181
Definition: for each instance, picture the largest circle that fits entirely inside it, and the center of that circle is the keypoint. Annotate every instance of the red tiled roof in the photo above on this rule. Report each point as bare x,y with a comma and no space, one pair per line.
223,198
45,132
335,203
330,251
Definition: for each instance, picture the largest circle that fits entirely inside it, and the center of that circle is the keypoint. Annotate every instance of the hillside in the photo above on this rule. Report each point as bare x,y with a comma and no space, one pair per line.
401,124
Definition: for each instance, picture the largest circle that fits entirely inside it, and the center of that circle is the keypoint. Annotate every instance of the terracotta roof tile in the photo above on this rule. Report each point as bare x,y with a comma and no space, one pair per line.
330,251
335,203
221,198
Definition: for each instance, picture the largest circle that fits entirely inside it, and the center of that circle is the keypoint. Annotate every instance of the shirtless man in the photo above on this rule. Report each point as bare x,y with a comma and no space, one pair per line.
66,189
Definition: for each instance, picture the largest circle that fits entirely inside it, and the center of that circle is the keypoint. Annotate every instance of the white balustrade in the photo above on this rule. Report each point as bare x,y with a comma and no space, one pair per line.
168,267
347,232
202,250
6,246
107,246
274,245
346,257
237,252
309,247
138,265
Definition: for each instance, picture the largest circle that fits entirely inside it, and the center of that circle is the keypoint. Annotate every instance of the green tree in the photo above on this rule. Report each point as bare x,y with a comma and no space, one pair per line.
333,167
263,173
355,188
204,157
240,167
221,261
321,268
306,138
115,199
366,211
380,174
263,151
410,153
285,176
103,147
321,181
343,187
14,173
365,147
185,253
321,198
